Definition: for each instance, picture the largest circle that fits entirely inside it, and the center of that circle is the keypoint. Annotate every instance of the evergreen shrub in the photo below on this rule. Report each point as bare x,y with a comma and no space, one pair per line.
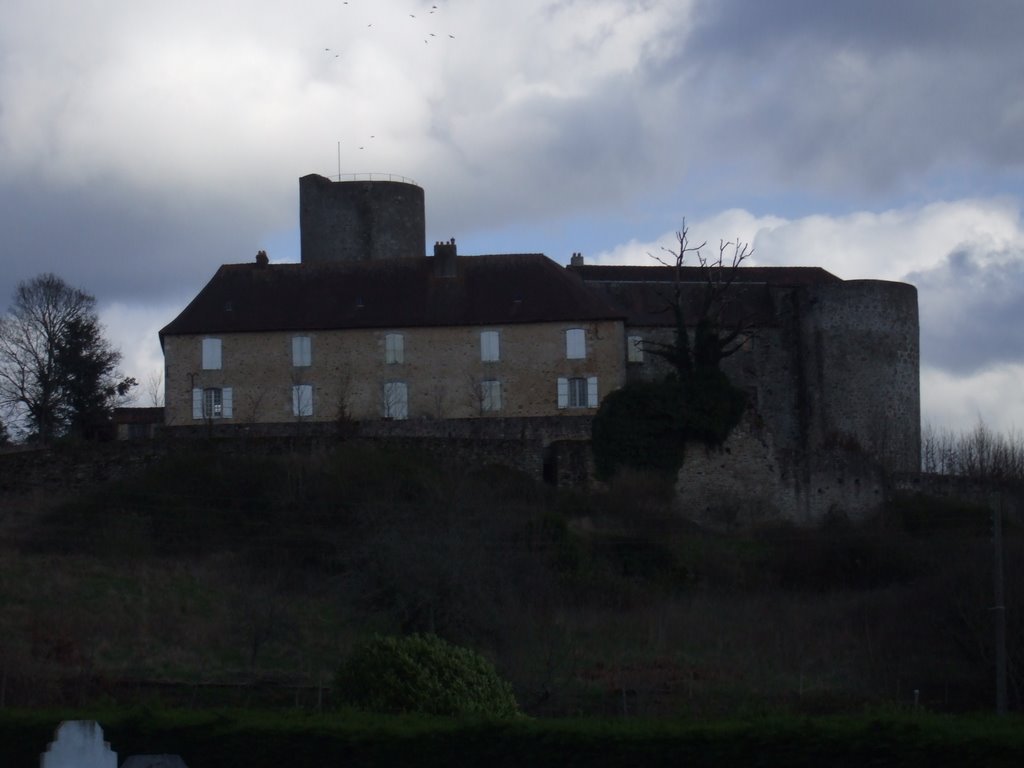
645,425
423,674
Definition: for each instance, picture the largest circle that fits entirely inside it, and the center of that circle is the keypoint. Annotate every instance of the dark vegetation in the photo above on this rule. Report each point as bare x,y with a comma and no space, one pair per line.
217,578
645,424
422,674
352,739
58,374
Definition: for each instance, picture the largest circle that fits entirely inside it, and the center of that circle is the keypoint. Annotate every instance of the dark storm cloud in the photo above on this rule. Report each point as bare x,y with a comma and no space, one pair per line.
116,245
874,25
861,98
972,310
581,155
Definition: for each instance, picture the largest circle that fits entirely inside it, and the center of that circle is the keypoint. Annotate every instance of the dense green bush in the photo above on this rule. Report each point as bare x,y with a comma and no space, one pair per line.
646,424
641,426
423,674
713,406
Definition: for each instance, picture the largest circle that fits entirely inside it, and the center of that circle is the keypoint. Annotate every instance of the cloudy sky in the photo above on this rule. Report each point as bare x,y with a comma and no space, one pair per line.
143,144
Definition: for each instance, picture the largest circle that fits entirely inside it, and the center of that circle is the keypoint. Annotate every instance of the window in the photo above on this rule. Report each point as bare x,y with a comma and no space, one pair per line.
302,400
212,403
490,395
394,348
211,354
577,392
396,400
302,351
490,350
575,344
634,349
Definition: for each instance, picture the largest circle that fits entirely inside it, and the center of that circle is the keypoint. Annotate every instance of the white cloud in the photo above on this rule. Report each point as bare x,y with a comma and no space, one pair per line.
882,246
993,396
132,330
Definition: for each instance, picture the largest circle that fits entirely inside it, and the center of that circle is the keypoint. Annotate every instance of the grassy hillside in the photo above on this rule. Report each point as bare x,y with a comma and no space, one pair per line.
214,578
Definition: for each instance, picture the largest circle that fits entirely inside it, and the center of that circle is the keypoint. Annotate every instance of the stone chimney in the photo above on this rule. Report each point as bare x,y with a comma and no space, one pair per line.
576,260
444,258
262,259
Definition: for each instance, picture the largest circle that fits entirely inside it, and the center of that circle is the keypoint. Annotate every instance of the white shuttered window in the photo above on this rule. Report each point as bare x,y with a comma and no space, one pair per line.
212,403
634,349
575,344
302,351
302,400
490,349
211,354
490,395
394,348
396,400
578,392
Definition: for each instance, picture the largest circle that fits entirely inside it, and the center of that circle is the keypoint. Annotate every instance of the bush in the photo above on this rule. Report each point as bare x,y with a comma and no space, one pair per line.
641,426
645,425
423,674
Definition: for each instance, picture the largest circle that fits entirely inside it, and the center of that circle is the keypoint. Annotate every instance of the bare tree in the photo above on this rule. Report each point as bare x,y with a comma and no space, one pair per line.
250,406
343,413
155,388
439,400
475,394
57,372
301,396
719,328
979,453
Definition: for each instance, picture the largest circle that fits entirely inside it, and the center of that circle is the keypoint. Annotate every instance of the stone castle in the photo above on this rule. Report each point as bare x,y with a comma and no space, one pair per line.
368,329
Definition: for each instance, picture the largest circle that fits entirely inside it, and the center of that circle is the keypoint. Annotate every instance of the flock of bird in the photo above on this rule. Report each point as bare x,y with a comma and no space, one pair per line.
336,53
426,40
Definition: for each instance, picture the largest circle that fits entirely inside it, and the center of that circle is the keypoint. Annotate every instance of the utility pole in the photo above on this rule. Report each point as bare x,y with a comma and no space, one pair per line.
1000,604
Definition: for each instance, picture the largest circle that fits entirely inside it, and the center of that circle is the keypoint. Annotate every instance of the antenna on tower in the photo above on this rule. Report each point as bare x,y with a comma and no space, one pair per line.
339,160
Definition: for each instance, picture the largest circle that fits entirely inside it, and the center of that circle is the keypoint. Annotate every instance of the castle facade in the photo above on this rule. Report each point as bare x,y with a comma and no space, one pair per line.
367,327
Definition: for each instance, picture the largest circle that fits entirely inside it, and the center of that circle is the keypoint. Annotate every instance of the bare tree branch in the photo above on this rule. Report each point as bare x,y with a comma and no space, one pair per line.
718,329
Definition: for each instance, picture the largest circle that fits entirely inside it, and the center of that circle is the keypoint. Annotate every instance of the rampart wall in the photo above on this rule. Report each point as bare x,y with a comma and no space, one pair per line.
734,486
748,480
556,445
964,490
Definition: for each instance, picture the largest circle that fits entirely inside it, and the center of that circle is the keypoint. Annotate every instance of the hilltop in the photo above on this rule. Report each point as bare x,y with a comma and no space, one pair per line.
212,576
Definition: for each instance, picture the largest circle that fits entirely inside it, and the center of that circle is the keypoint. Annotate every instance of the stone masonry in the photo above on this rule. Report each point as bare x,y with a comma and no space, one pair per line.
441,366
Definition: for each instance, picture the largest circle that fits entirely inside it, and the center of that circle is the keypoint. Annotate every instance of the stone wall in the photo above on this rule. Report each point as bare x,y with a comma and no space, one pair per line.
69,468
986,494
360,220
837,370
749,480
744,482
440,366
521,444
860,355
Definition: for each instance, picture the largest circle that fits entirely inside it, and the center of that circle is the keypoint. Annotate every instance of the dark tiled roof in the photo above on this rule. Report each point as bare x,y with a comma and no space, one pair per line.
659,274
398,293
646,294
650,304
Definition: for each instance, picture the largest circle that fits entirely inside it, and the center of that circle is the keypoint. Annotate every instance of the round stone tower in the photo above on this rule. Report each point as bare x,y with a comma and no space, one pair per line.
860,369
360,220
